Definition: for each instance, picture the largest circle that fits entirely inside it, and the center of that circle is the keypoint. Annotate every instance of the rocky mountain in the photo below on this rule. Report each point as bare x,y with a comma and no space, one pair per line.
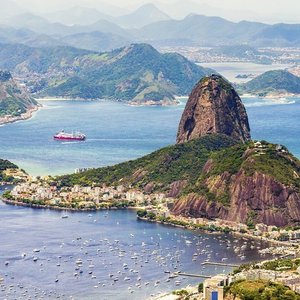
214,107
214,176
14,99
273,82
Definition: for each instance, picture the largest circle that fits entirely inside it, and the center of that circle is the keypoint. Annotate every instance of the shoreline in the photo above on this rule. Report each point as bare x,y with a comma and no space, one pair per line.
186,227
161,103
271,96
58,208
233,233
23,117
65,99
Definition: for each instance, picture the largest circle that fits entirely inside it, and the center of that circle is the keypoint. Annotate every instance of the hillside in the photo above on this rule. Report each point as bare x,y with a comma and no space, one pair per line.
14,99
214,170
4,165
277,81
215,178
259,289
135,73
95,41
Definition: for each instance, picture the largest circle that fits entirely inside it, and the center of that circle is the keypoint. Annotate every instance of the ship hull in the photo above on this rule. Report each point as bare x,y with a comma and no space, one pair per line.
61,138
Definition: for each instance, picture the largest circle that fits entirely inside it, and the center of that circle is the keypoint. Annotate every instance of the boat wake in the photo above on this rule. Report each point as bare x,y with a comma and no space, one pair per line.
71,142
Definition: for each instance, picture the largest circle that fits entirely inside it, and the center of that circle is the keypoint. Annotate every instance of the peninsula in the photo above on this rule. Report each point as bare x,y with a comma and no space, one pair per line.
215,177
15,102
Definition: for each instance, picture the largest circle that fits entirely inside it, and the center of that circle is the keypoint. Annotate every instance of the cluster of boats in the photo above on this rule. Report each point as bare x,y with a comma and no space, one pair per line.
136,263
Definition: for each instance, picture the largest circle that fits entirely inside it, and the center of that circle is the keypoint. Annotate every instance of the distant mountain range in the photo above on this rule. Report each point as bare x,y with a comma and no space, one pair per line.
136,73
146,24
145,15
277,81
217,31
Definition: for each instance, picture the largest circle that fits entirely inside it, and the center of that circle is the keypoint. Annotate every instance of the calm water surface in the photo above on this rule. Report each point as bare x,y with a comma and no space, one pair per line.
114,245
117,132
231,69
111,245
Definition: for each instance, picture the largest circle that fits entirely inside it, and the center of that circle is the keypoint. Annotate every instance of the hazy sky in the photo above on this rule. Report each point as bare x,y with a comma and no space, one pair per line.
259,10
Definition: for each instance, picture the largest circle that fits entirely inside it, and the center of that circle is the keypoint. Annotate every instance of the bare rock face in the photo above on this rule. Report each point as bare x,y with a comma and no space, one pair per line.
214,107
260,195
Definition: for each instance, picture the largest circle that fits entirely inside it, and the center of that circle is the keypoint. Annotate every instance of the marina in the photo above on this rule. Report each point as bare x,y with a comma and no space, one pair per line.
107,252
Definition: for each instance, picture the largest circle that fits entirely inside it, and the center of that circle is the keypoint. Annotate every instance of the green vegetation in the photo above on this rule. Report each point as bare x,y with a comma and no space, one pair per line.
4,165
14,100
162,167
175,222
260,290
282,264
134,73
180,293
273,81
285,264
201,165
283,166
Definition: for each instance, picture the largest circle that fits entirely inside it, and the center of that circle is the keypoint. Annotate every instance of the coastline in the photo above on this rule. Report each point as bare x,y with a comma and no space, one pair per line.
23,117
58,208
65,99
176,101
187,226
271,96
234,233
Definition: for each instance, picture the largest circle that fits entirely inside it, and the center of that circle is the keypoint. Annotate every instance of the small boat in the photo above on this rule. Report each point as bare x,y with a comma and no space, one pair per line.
74,136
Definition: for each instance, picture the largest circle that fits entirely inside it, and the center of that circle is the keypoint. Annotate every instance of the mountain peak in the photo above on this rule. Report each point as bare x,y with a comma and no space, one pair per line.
143,15
213,107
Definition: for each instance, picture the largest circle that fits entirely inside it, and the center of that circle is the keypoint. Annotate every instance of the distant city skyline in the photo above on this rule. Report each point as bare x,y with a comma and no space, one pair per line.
268,11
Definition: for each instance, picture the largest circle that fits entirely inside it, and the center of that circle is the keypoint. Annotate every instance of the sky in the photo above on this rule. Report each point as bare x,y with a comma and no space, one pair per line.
269,11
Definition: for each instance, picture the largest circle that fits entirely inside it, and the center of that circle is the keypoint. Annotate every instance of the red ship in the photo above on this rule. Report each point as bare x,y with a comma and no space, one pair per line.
74,136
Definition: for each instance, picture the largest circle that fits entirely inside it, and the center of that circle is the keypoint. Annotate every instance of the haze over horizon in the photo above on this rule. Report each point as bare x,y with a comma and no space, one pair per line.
234,10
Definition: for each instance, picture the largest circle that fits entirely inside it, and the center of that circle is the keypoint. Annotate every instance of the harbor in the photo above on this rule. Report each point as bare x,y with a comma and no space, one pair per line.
106,252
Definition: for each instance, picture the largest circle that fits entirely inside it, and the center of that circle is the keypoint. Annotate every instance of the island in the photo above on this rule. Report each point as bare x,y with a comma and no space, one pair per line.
276,83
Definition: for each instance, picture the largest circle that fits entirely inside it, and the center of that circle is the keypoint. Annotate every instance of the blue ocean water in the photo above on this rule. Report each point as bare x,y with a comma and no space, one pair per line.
121,258
106,243
117,132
